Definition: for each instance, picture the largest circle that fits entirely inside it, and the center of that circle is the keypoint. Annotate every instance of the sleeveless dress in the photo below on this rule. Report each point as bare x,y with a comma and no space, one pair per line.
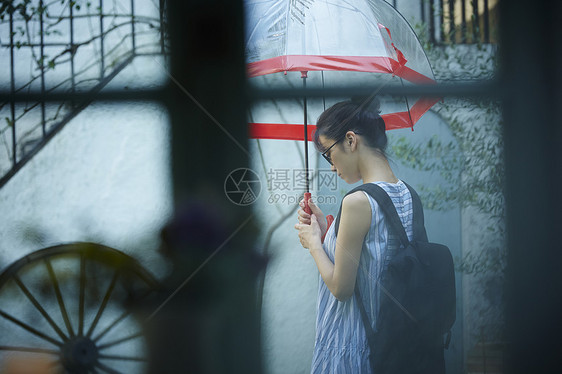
341,344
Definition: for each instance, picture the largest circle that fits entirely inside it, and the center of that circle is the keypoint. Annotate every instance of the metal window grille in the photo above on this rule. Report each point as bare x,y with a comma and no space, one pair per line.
460,21
74,47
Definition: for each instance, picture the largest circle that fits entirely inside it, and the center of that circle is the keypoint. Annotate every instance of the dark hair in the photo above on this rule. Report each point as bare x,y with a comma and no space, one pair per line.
358,115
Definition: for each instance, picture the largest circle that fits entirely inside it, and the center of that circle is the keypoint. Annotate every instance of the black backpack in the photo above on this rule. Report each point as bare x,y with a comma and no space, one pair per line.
417,304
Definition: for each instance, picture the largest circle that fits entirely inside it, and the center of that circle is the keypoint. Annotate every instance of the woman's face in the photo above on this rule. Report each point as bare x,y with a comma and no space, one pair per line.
344,161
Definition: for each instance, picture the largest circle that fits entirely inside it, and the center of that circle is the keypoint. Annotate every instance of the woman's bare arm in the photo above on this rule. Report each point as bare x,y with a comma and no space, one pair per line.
355,221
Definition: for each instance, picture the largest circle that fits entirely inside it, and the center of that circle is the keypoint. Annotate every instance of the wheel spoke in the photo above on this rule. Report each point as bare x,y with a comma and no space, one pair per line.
29,350
119,341
121,317
104,303
106,369
38,306
122,358
113,324
29,328
60,300
82,292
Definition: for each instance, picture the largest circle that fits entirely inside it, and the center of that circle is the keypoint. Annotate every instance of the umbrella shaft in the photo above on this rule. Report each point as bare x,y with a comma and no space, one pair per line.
305,135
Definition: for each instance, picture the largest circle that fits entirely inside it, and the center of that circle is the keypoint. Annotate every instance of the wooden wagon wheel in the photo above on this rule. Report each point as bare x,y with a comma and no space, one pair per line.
73,304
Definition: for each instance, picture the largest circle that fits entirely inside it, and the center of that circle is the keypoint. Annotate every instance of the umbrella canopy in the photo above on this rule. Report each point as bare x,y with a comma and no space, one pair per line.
336,43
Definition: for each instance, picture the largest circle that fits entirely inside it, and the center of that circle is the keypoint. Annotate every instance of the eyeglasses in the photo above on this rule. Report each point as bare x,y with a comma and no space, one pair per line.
325,153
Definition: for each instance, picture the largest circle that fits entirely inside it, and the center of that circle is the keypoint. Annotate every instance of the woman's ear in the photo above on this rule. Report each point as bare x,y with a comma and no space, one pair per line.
351,139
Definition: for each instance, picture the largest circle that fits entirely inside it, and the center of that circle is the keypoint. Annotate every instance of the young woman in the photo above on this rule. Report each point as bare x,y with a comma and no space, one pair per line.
353,140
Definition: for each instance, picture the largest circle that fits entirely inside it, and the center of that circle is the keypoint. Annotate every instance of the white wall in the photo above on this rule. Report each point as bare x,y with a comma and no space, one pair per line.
105,177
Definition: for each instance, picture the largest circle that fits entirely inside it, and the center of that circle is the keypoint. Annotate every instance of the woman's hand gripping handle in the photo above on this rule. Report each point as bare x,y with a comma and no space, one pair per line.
308,208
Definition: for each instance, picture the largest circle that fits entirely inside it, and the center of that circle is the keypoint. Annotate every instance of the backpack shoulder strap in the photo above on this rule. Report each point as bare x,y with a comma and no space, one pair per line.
389,211
419,225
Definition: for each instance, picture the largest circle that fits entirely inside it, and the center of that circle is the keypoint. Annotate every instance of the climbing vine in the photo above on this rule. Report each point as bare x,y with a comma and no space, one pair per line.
472,168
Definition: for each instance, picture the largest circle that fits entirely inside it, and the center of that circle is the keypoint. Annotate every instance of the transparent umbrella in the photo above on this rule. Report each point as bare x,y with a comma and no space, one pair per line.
330,44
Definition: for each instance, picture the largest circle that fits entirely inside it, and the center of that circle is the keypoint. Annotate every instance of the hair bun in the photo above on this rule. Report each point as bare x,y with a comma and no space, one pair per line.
367,103
359,114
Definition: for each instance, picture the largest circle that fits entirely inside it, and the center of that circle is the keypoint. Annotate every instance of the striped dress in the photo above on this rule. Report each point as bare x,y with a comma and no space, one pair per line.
341,343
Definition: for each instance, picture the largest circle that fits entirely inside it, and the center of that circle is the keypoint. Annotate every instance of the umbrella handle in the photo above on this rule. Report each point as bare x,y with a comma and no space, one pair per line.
307,196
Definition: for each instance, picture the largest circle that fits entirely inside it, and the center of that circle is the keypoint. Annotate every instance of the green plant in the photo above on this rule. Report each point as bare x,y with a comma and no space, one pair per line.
472,168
